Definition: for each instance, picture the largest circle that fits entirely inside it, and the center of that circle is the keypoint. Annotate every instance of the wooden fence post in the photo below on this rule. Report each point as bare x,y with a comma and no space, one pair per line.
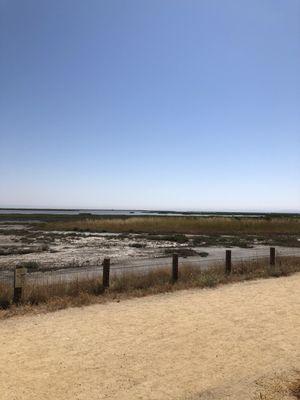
175,268
106,270
19,283
228,262
272,256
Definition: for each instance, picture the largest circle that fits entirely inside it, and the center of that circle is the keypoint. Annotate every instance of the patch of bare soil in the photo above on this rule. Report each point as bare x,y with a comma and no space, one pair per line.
62,249
234,342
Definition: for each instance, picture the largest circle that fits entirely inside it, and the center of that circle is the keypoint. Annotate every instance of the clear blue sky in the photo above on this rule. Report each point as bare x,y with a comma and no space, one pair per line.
153,104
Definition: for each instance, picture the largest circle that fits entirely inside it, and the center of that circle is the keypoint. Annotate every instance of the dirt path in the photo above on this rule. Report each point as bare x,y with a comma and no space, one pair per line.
224,343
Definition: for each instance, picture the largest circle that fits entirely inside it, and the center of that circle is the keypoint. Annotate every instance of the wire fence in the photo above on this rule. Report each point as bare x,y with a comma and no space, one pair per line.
91,272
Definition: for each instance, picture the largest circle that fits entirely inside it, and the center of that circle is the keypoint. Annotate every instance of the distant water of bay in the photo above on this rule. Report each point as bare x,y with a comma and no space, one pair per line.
118,212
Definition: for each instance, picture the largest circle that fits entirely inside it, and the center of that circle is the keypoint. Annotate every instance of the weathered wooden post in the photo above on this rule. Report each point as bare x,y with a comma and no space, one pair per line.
272,256
19,283
175,268
228,262
106,270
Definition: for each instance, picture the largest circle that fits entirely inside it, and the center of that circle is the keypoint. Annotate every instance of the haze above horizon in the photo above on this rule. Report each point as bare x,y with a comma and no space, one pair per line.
150,105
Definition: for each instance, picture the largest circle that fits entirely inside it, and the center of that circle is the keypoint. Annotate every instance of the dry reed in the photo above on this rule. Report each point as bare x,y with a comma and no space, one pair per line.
189,225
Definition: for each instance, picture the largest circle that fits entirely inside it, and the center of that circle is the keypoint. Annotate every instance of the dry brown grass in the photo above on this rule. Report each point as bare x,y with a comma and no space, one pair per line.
42,298
190,225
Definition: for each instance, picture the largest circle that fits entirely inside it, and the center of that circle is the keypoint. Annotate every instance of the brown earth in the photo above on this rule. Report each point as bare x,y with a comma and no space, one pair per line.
240,341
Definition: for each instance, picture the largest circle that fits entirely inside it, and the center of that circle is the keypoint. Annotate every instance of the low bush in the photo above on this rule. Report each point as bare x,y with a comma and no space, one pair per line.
31,265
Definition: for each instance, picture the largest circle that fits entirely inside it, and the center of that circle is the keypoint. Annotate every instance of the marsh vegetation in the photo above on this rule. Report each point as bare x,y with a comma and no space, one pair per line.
182,225
56,241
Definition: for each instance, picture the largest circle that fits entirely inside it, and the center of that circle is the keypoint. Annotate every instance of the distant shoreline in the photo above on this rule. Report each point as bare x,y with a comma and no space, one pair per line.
131,212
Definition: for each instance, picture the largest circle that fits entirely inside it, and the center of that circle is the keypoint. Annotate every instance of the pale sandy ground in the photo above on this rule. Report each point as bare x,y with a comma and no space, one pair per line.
236,342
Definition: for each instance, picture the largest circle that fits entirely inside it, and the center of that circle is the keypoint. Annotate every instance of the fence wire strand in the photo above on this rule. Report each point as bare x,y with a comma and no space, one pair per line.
73,276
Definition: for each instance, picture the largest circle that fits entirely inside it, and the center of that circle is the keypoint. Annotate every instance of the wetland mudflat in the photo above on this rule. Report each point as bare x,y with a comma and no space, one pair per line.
24,243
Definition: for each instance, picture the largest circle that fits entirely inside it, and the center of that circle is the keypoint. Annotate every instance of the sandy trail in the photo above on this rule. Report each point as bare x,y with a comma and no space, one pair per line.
199,344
